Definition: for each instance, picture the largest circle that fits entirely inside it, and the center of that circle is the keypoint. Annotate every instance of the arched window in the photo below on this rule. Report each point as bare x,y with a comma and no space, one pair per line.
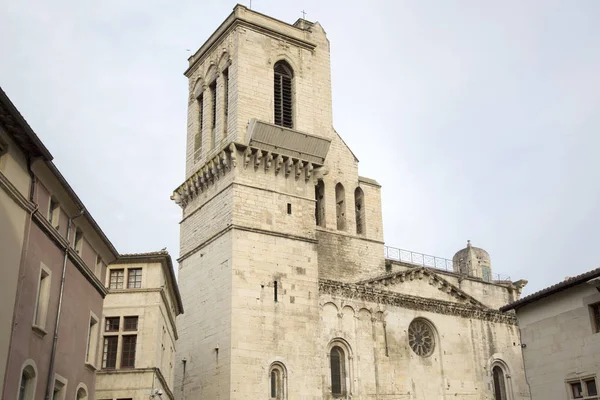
499,383
320,203
81,394
340,207
277,380
283,94
28,382
338,371
359,210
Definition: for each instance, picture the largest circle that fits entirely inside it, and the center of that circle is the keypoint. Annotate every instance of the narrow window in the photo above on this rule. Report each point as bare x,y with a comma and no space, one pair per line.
109,353
78,242
90,353
277,387
28,383
198,135
275,291
595,310
336,359
43,297
98,268
340,207
225,98
117,277
359,210
134,278
131,324
81,394
283,94
112,324
499,384
577,390
213,115
59,390
53,212
289,208
590,386
320,203
128,354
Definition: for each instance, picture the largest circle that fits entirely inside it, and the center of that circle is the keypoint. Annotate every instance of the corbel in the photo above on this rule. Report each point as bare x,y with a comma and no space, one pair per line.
247,155
224,160
298,168
308,171
217,166
268,161
257,158
278,163
288,166
233,154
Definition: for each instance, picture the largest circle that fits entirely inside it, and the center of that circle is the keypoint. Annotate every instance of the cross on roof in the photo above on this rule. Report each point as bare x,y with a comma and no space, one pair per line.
303,14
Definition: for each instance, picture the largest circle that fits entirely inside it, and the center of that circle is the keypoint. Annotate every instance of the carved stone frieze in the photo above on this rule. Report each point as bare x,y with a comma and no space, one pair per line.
364,293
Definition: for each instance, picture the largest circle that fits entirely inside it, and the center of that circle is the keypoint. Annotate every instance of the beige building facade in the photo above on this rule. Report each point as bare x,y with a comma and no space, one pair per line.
138,328
560,333
282,268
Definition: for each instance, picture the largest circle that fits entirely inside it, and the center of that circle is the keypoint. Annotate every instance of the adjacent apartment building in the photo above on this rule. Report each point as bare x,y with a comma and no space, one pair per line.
139,332
560,336
54,258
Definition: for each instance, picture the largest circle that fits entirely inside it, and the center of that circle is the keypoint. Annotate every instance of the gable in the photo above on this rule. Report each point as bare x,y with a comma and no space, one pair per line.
422,282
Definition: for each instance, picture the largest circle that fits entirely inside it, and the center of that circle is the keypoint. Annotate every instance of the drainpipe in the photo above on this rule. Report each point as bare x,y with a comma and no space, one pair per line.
60,298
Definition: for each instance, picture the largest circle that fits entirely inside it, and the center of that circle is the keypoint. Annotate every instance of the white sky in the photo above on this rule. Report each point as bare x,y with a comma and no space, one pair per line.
480,119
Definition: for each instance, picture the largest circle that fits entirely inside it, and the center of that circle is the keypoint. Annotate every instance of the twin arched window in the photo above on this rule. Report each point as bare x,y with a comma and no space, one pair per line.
283,94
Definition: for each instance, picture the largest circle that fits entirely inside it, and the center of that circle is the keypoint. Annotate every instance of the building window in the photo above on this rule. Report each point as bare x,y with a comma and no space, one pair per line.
82,394
28,382
116,278
43,298
584,388
499,383
128,353
198,136
90,354
277,381
283,94
98,268
111,324
338,378
595,311
109,355
78,243
213,115
60,388
320,203
340,207
134,278
130,324
421,337
359,210
53,212
225,98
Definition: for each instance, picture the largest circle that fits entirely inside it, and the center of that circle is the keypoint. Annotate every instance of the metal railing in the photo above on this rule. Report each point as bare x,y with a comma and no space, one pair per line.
426,260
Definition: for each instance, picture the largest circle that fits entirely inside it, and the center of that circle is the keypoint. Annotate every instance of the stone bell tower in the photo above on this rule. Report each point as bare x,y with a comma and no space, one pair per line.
272,202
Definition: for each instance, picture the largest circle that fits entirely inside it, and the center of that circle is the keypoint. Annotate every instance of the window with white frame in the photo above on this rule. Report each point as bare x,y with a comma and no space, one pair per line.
42,298
583,388
28,381
92,340
53,212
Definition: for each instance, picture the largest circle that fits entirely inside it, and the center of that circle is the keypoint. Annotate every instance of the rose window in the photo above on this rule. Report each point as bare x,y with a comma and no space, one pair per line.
420,338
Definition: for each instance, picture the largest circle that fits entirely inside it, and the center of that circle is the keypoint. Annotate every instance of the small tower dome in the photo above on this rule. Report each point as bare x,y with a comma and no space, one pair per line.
473,261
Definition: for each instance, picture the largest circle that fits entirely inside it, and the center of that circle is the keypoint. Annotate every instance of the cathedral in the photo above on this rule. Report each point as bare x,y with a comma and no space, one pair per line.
289,290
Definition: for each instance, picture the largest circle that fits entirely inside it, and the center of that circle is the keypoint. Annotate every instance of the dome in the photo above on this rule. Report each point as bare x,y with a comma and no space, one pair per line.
473,261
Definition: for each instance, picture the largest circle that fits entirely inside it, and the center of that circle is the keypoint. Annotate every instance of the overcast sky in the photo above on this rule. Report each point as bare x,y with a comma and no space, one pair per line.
480,119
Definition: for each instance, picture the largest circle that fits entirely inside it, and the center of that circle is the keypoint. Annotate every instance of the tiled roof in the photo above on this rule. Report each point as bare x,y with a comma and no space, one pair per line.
567,283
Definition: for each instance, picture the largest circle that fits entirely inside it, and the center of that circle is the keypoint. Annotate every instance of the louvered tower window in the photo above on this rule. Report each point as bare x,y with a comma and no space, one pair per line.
283,94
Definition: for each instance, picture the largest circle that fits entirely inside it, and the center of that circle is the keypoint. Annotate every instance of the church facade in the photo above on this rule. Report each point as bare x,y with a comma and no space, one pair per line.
282,271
